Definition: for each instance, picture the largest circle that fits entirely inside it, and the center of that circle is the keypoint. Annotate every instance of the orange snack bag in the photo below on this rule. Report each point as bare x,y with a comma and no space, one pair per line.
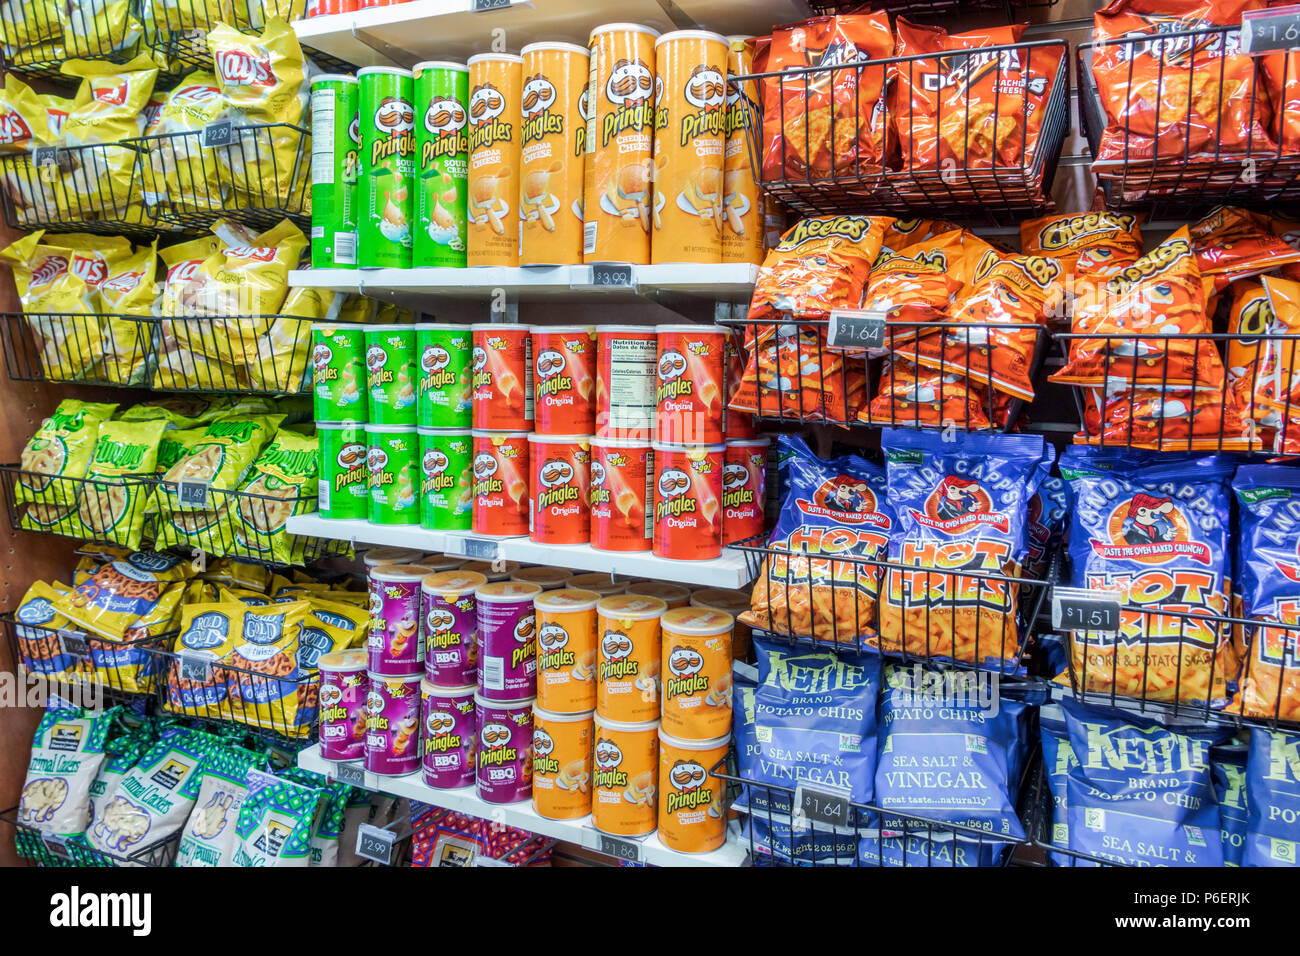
1175,419
821,263
902,233
916,397
1278,384
792,374
1091,247
1232,243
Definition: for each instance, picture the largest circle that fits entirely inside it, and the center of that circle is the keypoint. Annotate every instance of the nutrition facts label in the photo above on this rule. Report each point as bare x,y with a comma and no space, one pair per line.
322,137
632,383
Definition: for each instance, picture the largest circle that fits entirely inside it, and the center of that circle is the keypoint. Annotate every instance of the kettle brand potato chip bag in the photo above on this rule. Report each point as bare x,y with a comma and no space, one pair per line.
281,483
111,506
61,447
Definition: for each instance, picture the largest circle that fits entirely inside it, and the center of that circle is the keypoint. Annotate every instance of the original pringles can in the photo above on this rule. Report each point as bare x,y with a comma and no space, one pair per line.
342,484
696,672
387,120
692,818
617,195
744,488
551,182
627,657
622,494
507,640
335,161
624,777
688,501
449,614
505,749
625,381
445,384
391,374
338,373
501,477
395,637
690,135
561,764
691,383
564,379
559,489
449,738
392,457
742,206
566,650
446,479
502,370
442,163
344,686
494,159
393,725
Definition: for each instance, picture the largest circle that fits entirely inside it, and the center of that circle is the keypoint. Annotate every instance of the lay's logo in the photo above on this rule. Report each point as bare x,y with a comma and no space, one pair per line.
51,268
90,270
13,128
184,271
242,69
255,253
122,282
114,95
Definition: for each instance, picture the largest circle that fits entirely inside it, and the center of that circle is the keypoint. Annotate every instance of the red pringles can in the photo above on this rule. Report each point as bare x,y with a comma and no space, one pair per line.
690,383
500,470
503,377
560,469
744,488
688,501
622,494
564,379
625,381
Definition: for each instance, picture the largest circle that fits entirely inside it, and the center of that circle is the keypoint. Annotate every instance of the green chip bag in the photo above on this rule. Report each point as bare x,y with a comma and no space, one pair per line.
180,412
221,457
282,483
275,824
61,447
111,506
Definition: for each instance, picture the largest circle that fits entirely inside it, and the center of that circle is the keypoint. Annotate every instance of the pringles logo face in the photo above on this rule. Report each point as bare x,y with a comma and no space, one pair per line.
395,122
685,679
544,764
444,120
688,781
494,746
552,648
706,90
539,119
629,90
615,657
608,759
486,104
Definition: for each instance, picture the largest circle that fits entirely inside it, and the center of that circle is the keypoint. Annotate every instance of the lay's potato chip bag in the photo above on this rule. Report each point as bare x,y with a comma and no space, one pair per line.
126,300
180,169
280,363
95,28
59,303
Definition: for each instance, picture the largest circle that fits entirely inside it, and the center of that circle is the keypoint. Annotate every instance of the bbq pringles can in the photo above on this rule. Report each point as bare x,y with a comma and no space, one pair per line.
446,479
502,369
559,488
742,207
551,183
338,373
690,389
501,478
505,749
690,133
622,494
343,471
564,379
494,81
744,488
449,735
335,161
507,640
625,381
688,501
445,384
442,163
387,119
617,194
393,725
449,614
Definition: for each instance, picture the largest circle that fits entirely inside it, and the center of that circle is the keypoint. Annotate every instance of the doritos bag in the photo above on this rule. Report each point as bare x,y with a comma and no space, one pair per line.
822,263
1233,244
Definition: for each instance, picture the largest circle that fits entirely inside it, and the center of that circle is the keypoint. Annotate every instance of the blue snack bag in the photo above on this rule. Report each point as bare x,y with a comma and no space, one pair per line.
1154,529
1047,516
1058,761
1142,793
889,848
1272,799
778,842
962,506
1230,790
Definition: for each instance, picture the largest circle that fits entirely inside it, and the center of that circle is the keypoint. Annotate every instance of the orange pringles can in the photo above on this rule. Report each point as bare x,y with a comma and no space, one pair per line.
561,764
551,181
690,134
627,657
696,672
673,595
625,777
691,814
559,486
744,488
564,379
617,194
500,470
734,603
742,207
502,364
688,501
625,381
622,483
566,650
690,383
494,159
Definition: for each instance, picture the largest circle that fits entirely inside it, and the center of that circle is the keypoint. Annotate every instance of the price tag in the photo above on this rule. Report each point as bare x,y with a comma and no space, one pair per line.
56,844
482,549
352,774
74,645
621,848
217,134
193,494
823,806
609,275
856,328
197,669
481,5
46,156
1274,28
375,844
1077,609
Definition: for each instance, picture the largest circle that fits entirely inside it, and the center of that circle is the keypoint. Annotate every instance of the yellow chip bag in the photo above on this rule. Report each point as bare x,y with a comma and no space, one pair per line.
28,23
22,117
282,483
96,28
59,303
280,363
220,457
60,448
239,574
126,302
180,169
330,627
130,598
249,280
112,506
37,624
244,596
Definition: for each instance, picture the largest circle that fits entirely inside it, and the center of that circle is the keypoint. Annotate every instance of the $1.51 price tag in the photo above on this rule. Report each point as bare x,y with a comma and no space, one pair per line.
856,328
1077,609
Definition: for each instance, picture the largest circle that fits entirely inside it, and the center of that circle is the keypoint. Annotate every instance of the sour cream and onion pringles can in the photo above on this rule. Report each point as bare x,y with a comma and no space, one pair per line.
387,119
342,487
442,163
445,384
335,160
494,159
338,371
551,184
446,478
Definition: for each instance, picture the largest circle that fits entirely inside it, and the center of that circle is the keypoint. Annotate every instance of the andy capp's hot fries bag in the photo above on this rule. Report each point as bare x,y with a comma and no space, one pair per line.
1155,529
821,263
962,507
60,448
112,503
833,510
128,598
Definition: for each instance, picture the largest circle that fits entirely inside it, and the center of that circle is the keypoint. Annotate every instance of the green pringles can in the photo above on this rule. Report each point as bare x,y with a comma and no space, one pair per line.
393,457
387,119
338,373
391,373
444,393
335,159
343,480
446,482
442,163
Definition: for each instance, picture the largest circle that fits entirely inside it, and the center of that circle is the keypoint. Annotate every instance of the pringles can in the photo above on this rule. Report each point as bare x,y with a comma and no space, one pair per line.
691,815
742,207
559,487
564,380
387,119
617,194
566,650
444,387
696,672
627,657
688,502
393,725
502,377
342,489
561,764
344,686
335,158
507,640
338,373
501,505
494,81
546,578
395,637
690,390
442,163
449,613
744,488
690,135
505,749
734,603
392,455
449,735
622,494
673,595
391,374
625,381
551,181
446,482
625,773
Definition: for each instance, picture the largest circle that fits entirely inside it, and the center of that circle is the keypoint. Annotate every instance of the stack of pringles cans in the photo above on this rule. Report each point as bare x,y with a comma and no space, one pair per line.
631,150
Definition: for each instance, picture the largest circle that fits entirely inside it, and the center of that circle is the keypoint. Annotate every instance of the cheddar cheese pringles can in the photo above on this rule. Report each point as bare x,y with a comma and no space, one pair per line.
566,650
696,672
442,163
690,134
387,120
627,657
617,197
494,81
625,774
742,207
551,180
561,764
691,814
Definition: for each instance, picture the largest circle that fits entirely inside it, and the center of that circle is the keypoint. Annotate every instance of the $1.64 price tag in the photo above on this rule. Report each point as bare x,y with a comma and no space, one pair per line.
1271,29
823,806
856,328
1077,609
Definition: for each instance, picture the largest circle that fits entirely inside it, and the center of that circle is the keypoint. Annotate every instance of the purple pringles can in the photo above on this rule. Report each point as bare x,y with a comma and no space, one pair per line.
450,616
344,686
448,744
396,641
505,749
507,640
393,725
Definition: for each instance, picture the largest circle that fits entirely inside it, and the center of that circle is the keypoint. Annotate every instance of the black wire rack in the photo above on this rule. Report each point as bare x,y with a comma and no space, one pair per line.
981,189
193,353
44,849
101,510
922,10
